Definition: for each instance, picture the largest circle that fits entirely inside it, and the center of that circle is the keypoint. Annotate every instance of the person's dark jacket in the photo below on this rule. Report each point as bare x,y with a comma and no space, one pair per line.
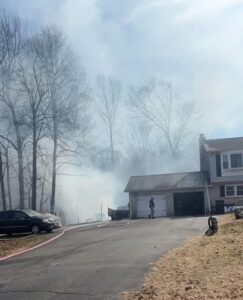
151,203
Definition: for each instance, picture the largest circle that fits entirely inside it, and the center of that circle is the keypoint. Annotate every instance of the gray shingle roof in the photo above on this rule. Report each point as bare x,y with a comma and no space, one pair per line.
224,144
164,182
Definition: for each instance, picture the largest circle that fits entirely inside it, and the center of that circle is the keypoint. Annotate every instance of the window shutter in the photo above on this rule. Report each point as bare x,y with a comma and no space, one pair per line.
222,191
218,165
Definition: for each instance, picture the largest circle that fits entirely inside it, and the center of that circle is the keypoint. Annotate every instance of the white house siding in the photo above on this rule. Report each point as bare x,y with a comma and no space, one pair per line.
132,204
226,175
161,210
228,179
231,172
170,204
214,195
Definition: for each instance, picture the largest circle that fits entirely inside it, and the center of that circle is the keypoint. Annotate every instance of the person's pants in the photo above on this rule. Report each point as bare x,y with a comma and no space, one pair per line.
152,212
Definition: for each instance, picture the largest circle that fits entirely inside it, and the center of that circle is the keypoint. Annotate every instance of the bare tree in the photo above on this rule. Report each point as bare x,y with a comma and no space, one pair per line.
11,33
10,39
43,96
44,196
44,175
139,147
8,178
108,100
17,140
32,86
158,104
5,152
4,203
66,91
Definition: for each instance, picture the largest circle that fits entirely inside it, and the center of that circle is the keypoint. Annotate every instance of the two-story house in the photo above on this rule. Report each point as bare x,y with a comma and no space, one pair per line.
218,184
222,159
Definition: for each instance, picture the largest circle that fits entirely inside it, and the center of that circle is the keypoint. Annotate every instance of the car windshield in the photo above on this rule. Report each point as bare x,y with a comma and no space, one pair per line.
32,213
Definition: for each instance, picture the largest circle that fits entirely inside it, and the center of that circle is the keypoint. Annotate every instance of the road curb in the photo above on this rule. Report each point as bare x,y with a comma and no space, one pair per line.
32,248
41,244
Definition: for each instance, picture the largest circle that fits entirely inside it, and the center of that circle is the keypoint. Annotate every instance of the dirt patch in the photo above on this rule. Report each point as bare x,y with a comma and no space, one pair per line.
204,268
13,245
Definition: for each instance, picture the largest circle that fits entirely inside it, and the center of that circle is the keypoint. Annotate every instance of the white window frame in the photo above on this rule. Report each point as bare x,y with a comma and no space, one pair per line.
241,161
235,190
222,159
229,160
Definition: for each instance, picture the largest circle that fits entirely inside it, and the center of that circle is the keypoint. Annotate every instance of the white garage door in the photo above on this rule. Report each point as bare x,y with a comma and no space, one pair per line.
143,210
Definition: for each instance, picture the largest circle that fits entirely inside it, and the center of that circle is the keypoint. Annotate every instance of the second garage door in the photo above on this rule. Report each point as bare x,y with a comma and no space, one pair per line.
189,204
143,210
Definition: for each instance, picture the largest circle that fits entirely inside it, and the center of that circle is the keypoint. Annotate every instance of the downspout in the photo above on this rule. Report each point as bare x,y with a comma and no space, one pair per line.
209,205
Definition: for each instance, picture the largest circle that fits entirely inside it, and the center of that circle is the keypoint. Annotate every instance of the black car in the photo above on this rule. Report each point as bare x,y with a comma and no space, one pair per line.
17,221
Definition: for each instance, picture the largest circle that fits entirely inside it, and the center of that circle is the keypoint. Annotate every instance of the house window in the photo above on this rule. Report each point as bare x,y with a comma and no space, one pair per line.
233,190
239,190
225,161
229,190
236,160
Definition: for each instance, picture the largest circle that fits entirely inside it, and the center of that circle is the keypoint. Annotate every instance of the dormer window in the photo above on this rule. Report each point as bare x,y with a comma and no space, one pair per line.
236,160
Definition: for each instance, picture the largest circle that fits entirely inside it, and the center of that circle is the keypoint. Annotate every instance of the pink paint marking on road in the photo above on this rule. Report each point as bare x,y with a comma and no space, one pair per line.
32,248
39,245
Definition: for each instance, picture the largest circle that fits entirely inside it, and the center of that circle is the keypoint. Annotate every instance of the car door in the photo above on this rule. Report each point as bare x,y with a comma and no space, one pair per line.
5,222
19,222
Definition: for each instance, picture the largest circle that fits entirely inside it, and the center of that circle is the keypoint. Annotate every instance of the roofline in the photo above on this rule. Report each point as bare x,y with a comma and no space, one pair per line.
172,189
229,138
168,174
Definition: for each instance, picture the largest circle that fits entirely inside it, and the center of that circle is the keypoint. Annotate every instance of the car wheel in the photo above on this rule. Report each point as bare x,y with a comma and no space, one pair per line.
9,233
35,229
49,230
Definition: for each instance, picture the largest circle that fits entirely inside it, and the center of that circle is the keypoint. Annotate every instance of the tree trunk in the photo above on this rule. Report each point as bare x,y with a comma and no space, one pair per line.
112,149
173,151
21,176
42,196
54,169
8,181
34,167
2,183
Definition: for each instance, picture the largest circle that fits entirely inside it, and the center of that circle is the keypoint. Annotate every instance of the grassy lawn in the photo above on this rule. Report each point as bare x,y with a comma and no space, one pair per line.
204,268
13,245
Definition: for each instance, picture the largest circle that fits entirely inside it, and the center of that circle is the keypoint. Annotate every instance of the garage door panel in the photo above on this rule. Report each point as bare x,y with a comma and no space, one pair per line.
143,210
189,203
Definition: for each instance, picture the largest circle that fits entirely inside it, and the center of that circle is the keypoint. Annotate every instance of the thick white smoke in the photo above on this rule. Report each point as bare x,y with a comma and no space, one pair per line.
81,197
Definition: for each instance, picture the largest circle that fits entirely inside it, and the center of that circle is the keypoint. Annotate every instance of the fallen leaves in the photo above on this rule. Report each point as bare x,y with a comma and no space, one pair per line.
13,245
205,268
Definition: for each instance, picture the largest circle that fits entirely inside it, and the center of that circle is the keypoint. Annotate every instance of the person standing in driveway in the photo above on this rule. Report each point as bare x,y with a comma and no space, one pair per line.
151,206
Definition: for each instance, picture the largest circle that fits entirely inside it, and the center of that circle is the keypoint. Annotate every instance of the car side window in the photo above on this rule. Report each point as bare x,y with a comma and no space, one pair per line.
5,215
18,215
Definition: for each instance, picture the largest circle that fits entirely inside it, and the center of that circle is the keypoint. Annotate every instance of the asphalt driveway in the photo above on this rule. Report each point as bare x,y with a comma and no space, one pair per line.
97,262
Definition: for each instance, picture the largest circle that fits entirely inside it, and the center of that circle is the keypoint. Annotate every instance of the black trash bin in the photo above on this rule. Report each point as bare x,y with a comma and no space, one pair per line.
219,207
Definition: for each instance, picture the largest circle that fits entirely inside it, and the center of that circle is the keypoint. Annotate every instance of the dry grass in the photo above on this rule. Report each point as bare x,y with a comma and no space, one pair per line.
205,268
13,245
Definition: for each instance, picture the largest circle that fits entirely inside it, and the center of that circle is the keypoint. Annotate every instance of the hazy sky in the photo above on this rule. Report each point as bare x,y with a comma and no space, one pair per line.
197,45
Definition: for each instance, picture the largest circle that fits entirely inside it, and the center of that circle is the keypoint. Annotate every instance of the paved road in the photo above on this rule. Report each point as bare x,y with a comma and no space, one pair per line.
94,262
